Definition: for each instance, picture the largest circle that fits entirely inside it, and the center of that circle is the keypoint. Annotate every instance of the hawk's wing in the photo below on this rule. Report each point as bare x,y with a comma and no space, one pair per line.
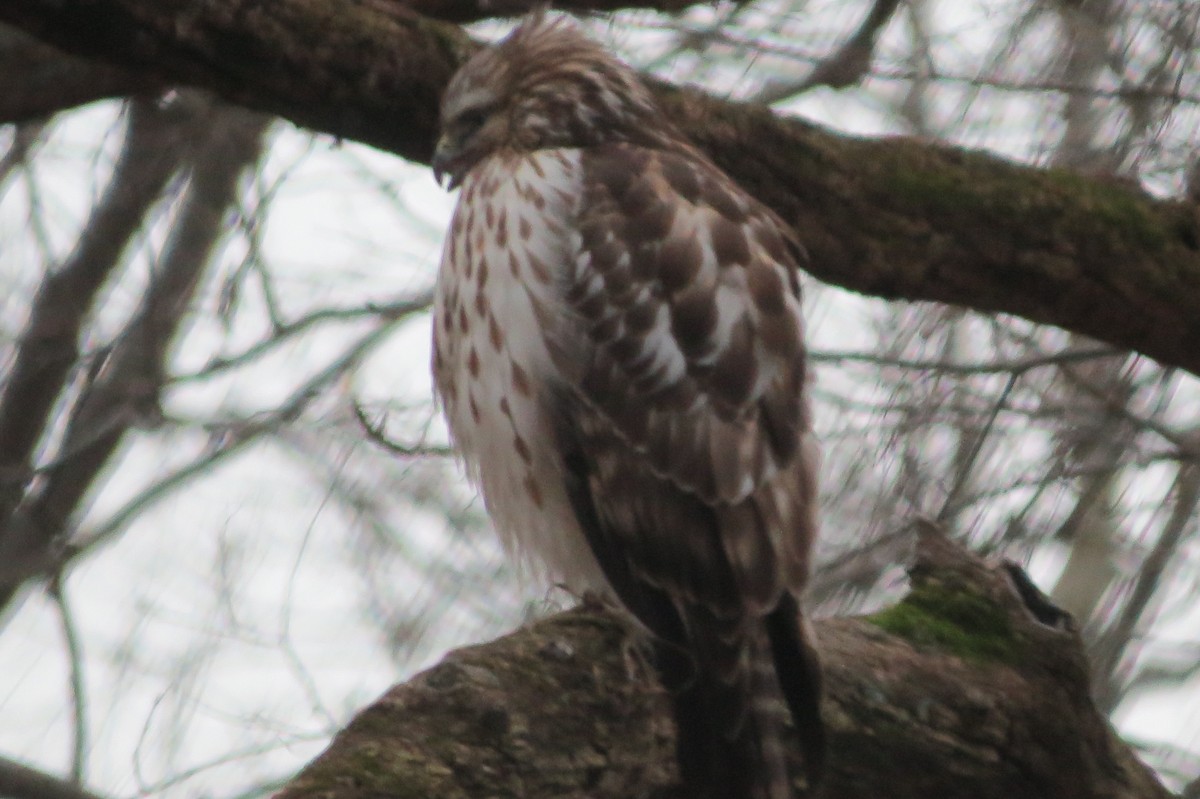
689,384
684,432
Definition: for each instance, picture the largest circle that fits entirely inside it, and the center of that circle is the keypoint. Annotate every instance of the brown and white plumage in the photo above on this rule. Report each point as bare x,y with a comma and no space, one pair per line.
618,350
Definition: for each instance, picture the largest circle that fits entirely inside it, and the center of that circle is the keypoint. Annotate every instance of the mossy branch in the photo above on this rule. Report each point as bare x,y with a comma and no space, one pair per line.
974,686
897,218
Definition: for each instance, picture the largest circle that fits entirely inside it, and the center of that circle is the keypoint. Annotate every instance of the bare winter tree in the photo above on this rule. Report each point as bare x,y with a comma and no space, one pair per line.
136,337
1029,389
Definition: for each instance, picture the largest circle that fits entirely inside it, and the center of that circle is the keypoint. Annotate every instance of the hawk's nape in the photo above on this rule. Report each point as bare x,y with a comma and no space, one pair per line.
618,350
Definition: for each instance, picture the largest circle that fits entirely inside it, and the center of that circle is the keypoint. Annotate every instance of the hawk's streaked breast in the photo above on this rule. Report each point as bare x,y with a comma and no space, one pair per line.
498,296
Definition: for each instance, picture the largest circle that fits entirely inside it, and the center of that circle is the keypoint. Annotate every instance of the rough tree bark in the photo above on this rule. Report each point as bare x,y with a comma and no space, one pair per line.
974,686
896,218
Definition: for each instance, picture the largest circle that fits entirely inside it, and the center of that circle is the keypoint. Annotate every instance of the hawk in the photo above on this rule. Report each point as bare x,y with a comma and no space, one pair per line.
618,352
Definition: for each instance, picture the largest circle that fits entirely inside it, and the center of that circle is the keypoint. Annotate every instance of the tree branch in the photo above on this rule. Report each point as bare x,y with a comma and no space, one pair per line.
462,12
897,218
52,81
75,661
18,781
126,388
1113,645
49,347
974,687
844,67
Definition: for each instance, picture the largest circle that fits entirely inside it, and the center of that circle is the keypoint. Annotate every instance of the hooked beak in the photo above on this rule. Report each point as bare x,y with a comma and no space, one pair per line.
443,164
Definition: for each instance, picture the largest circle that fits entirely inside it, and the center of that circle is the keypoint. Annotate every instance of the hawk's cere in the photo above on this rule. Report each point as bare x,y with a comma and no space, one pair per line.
618,350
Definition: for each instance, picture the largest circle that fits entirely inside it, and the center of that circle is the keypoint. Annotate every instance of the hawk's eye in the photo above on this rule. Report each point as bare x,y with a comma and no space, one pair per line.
471,120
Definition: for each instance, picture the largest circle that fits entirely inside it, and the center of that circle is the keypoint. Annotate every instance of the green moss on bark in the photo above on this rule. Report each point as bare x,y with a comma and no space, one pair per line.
954,620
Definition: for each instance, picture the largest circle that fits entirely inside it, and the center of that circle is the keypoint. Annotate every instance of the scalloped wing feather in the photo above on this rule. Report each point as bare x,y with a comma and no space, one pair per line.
692,377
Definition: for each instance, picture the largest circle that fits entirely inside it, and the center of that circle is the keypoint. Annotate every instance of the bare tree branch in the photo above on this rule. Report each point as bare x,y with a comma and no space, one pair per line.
969,454
26,137
18,781
79,722
126,389
377,434
49,347
52,81
229,439
845,67
1108,651
1016,366
285,331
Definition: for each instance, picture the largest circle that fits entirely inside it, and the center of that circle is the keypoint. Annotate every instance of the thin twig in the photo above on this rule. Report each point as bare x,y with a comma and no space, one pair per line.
1016,366
79,725
26,137
391,311
951,506
846,66
375,434
234,440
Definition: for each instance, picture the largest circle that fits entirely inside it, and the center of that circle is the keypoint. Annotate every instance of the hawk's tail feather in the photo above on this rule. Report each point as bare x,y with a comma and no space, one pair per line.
730,711
798,669
750,765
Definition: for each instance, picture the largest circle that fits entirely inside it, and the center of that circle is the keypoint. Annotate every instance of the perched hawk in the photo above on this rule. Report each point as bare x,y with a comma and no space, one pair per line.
618,351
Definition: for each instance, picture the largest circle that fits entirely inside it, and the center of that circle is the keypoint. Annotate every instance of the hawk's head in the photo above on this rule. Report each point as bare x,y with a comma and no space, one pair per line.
545,85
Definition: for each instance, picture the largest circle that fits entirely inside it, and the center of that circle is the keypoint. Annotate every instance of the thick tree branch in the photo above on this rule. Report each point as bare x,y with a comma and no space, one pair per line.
19,781
974,687
464,11
897,218
44,80
366,71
